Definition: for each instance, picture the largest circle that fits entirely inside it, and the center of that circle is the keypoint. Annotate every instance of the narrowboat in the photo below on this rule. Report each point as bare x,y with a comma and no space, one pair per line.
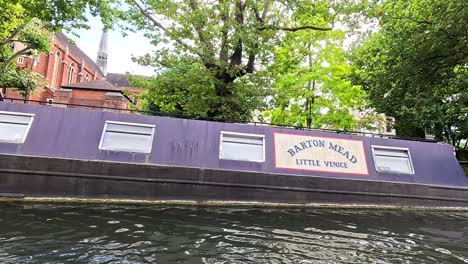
54,152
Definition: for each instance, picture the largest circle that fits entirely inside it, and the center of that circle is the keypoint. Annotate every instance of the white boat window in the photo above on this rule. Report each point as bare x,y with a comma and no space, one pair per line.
14,127
129,137
390,159
239,146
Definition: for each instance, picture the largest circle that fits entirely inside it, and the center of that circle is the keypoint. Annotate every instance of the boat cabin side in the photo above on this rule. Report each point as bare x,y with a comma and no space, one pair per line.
96,135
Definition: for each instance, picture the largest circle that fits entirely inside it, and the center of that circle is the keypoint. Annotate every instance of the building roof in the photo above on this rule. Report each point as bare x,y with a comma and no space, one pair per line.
77,51
101,85
118,79
121,80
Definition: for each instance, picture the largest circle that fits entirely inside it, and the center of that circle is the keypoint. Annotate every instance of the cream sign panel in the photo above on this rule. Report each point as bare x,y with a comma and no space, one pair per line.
336,155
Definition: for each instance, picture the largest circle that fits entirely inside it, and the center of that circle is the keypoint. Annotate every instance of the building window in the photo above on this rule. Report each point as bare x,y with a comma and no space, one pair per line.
390,159
129,137
239,146
14,127
20,60
70,73
86,78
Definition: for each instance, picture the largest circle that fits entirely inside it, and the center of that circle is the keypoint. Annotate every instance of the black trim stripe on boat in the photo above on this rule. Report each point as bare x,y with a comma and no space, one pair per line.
220,184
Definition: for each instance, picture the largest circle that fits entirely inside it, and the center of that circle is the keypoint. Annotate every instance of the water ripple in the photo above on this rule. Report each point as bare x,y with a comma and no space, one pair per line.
119,234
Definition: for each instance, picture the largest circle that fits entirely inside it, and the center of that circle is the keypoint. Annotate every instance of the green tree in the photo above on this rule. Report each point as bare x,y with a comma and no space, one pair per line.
311,82
415,67
189,89
226,44
29,37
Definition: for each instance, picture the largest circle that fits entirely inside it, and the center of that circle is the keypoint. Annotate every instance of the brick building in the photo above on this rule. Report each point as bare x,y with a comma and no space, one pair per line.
72,77
98,93
114,91
64,64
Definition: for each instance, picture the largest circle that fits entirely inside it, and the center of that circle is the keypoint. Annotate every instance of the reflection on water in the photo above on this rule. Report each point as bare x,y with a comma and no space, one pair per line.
118,234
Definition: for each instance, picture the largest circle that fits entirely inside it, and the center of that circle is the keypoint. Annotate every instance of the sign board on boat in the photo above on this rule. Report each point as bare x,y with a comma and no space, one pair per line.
314,153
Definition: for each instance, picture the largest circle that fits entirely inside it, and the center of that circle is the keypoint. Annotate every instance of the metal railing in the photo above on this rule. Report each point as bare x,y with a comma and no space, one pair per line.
175,115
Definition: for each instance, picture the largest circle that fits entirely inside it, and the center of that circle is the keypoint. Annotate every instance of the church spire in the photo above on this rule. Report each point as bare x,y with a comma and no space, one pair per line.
102,53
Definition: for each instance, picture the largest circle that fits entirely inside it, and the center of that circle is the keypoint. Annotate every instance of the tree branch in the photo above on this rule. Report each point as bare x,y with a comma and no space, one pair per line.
148,15
223,52
206,44
18,53
236,57
265,11
260,19
145,13
194,7
257,14
12,35
294,29
251,63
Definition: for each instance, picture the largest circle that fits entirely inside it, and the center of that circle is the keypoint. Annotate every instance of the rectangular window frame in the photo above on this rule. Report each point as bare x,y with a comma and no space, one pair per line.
128,124
393,148
27,128
223,133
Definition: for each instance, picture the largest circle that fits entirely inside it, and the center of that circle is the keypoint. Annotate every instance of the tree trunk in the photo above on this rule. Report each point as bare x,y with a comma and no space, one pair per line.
223,103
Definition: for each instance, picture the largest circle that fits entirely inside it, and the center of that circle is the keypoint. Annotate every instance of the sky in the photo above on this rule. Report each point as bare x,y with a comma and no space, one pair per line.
120,49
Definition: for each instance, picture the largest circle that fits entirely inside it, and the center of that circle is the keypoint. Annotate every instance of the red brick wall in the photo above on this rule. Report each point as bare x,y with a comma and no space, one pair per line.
45,66
41,94
10,93
88,97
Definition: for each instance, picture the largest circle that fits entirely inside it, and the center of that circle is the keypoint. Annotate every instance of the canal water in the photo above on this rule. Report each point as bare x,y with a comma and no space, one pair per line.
127,234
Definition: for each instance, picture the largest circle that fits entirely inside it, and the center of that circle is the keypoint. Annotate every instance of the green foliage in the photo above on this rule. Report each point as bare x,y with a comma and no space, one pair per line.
11,16
227,44
369,120
30,39
189,89
29,36
68,14
415,67
23,80
311,82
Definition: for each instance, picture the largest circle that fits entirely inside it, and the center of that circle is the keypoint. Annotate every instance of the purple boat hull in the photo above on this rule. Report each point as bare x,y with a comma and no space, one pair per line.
61,158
